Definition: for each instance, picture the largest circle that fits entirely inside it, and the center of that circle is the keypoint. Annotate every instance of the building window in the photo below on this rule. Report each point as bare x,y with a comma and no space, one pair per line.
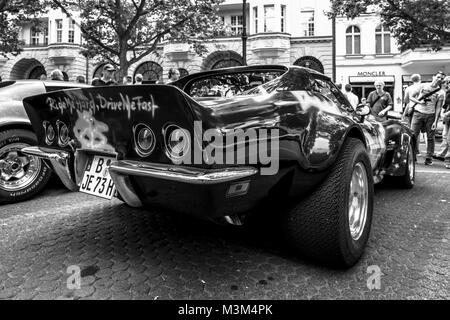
71,31
383,40
222,32
236,25
353,40
255,17
269,18
283,18
307,23
58,30
34,40
151,71
46,35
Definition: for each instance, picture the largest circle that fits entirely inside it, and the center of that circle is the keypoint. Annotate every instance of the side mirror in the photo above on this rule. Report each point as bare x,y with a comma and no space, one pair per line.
363,111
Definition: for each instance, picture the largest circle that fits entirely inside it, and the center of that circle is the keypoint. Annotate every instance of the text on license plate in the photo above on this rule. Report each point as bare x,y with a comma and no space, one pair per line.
96,179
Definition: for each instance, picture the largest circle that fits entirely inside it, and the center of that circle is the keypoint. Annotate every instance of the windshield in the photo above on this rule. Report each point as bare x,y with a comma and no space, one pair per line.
293,80
230,84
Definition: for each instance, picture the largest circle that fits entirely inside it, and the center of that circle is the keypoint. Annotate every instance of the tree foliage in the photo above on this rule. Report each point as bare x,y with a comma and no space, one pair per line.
414,23
13,13
125,31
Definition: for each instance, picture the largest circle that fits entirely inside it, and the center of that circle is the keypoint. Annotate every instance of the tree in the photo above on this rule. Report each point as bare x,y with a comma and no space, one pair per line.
414,23
125,31
13,13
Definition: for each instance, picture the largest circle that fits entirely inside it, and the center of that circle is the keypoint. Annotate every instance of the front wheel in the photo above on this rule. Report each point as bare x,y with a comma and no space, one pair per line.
332,224
21,176
408,179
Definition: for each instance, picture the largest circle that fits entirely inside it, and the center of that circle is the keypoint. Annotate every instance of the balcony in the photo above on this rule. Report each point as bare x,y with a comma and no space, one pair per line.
269,45
63,53
425,57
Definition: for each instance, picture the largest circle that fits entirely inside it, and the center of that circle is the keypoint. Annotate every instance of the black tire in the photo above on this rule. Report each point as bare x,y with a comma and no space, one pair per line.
407,181
36,182
318,226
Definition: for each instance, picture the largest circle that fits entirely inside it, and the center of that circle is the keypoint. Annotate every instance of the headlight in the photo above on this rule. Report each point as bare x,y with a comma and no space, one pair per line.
144,140
49,133
177,141
63,134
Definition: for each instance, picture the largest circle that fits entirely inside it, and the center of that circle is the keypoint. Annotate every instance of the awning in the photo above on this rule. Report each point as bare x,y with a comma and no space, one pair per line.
371,79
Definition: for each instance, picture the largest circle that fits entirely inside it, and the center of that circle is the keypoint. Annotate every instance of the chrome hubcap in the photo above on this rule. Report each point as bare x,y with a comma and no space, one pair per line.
17,171
358,201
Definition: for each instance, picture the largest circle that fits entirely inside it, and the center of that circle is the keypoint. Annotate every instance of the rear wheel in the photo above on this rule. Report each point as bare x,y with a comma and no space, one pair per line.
21,176
332,224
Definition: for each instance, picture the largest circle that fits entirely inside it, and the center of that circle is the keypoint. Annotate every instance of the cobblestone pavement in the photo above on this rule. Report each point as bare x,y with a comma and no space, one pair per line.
129,253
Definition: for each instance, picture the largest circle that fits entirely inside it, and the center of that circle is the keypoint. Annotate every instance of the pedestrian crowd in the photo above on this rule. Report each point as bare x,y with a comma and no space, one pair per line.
424,104
107,77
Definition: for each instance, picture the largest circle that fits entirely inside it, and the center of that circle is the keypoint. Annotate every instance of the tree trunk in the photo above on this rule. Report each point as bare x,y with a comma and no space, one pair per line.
124,63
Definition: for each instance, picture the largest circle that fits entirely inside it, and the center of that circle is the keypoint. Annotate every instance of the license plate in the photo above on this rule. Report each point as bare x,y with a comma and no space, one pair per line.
96,179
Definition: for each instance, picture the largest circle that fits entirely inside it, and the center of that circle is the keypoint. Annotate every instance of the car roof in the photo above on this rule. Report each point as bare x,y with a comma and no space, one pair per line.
181,83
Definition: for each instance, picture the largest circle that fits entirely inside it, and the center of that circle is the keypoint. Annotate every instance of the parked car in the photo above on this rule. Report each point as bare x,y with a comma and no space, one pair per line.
21,176
180,146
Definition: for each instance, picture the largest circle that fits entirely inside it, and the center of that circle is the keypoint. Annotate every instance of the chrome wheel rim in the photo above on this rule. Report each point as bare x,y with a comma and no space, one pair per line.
411,165
17,170
358,201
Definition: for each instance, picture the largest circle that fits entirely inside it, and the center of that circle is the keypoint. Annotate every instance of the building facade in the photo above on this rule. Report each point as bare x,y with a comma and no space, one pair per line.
279,32
366,52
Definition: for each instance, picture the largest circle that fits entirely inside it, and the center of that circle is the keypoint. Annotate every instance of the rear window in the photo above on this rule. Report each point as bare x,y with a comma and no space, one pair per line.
293,80
18,91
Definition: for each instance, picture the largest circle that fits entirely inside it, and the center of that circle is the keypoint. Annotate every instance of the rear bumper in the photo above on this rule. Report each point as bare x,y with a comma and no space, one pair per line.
59,160
151,178
194,190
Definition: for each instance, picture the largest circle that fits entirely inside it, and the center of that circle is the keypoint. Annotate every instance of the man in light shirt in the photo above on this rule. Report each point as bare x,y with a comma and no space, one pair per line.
412,90
351,97
429,100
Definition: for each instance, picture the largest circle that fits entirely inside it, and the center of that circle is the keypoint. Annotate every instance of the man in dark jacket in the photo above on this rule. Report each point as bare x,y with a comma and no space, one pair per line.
107,76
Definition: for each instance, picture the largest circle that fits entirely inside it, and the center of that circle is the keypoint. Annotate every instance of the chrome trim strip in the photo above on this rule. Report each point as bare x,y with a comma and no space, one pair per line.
59,161
181,174
125,189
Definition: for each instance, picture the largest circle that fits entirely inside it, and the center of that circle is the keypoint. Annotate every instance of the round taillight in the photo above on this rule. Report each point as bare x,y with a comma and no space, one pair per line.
145,140
63,134
177,141
49,133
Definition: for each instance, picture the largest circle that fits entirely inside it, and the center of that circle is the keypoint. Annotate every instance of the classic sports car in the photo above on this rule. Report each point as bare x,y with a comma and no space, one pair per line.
218,144
21,176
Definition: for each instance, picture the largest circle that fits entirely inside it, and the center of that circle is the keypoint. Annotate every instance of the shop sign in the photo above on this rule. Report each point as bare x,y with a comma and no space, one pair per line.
372,74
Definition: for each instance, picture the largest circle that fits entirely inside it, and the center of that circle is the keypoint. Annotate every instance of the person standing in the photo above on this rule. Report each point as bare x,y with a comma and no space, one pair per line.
380,101
127,80
412,90
107,77
444,149
429,100
351,97
57,75
80,79
138,78
174,75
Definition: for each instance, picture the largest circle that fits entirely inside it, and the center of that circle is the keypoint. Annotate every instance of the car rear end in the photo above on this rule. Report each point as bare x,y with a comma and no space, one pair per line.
141,138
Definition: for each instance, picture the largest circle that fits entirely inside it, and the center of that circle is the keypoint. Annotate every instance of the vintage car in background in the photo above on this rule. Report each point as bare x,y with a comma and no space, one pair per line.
303,148
21,176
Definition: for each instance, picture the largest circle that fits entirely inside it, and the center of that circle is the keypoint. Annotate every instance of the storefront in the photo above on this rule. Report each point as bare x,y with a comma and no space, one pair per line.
363,83
362,80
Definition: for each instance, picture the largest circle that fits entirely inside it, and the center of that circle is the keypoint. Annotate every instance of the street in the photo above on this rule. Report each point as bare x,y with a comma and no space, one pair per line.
126,253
